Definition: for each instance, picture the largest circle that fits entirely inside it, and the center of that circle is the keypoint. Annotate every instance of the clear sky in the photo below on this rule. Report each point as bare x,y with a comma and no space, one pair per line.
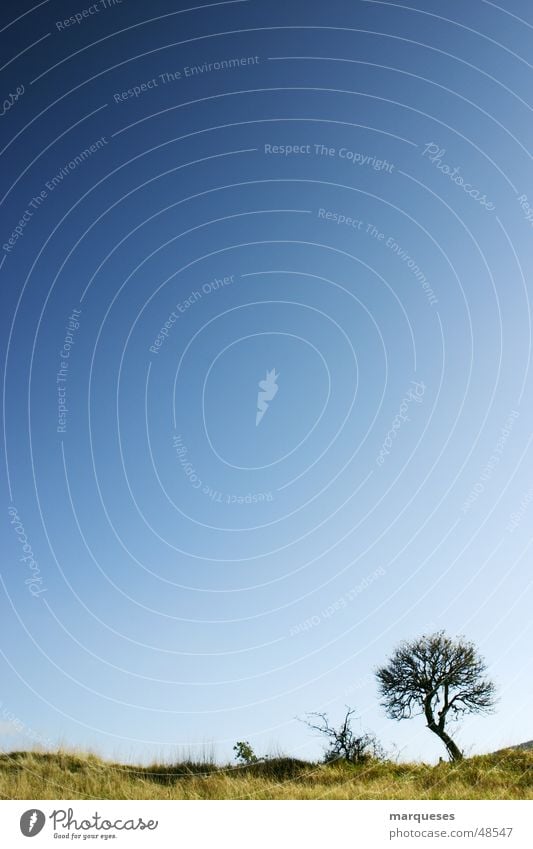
333,201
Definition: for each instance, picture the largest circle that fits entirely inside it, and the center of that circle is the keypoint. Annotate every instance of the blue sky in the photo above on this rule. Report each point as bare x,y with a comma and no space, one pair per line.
344,202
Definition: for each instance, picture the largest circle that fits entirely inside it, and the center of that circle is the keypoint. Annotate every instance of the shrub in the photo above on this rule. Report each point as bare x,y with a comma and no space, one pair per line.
244,753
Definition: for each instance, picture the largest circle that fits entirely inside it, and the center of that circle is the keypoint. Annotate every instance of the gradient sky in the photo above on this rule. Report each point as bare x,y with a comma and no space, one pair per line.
199,579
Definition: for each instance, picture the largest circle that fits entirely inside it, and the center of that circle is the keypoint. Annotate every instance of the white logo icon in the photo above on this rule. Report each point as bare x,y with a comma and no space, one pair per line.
267,390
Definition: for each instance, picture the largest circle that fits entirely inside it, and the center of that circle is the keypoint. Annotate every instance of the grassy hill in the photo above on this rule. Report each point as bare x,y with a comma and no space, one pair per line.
64,775
528,745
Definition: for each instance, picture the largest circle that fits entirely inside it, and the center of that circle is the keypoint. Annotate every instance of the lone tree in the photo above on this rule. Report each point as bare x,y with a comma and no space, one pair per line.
343,742
440,678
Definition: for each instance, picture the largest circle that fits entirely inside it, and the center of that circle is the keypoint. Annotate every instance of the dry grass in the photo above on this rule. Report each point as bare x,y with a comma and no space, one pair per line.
64,775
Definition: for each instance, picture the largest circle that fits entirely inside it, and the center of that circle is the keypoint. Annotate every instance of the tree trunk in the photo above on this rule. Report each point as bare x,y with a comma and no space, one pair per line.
438,728
454,751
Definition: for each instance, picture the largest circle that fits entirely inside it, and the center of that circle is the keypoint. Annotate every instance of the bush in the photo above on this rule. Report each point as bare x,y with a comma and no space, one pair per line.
345,744
244,753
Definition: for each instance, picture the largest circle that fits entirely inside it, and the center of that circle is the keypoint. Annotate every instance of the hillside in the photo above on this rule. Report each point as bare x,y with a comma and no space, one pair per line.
518,747
64,775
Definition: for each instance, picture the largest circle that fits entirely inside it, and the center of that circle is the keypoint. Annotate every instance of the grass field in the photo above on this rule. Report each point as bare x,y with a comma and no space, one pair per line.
64,775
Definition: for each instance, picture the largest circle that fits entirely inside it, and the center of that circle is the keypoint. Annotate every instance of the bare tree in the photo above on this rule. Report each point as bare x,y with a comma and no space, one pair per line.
439,678
344,743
